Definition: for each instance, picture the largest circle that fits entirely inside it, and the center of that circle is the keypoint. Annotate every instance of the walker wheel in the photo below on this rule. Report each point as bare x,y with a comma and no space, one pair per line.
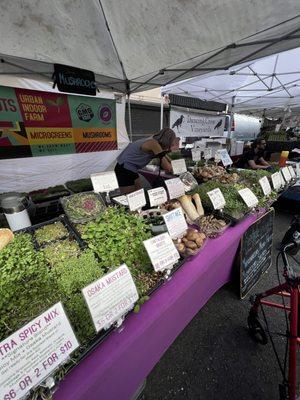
256,330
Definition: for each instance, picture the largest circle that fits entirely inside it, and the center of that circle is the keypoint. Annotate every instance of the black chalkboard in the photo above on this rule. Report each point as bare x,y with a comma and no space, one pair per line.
256,252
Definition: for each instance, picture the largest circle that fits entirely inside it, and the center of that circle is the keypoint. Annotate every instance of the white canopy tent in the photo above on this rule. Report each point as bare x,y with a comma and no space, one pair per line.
134,45
269,85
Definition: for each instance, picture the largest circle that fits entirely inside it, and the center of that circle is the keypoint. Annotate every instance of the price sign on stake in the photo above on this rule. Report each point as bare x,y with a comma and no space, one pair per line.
249,197
298,170
178,166
276,180
175,188
286,174
265,185
176,223
136,200
225,157
121,200
104,182
196,154
32,353
157,196
162,251
111,297
292,172
207,153
217,199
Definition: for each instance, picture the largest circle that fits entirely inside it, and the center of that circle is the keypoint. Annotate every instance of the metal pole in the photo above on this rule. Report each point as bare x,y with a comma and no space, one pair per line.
230,116
161,112
129,117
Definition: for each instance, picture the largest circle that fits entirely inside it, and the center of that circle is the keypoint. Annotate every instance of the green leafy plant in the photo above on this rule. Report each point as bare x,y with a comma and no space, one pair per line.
82,207
25,285
60,251
117,237
50,233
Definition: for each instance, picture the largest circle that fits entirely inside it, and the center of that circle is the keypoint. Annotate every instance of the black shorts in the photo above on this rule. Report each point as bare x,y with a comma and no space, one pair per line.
125,177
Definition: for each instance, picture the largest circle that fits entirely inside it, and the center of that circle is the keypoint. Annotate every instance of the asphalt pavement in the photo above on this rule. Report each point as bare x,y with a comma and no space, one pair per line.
214,358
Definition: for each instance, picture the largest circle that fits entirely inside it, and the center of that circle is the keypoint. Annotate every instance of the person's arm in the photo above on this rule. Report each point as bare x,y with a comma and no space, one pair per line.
262,161
253,165
153,146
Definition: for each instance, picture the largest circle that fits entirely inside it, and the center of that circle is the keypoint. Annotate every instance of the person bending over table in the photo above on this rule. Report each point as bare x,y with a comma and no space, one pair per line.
138,154
254,157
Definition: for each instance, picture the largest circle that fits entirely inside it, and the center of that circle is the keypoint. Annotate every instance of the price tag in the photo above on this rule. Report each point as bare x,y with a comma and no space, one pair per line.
286,174
178,166
217,199
298,170
157,196
104,182
292,171
136,200
276,180
196,154
176,223
265,185
207,153
33,352
217,157
225,157
175,188
162,252
249,197
121,200
111,297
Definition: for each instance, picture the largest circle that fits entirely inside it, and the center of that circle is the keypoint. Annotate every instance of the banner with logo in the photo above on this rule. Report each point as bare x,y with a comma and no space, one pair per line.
190,123
35,123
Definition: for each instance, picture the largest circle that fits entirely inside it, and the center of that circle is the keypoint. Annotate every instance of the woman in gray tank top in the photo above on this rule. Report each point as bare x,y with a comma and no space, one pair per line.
138,154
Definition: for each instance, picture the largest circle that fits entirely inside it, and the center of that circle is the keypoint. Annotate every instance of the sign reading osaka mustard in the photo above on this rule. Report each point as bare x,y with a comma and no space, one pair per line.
35,123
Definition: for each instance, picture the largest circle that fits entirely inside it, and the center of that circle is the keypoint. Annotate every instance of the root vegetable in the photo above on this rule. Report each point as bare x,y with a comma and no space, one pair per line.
188,207
199,242
191,245
198,203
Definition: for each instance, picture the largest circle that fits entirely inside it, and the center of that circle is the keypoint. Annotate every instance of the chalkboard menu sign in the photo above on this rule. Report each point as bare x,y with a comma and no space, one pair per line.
256,252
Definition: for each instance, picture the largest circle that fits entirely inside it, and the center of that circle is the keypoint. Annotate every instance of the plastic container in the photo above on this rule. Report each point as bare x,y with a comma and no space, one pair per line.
283,158
14,207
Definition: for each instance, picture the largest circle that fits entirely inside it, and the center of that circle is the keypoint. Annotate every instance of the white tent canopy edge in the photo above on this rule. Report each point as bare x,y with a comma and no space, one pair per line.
134,45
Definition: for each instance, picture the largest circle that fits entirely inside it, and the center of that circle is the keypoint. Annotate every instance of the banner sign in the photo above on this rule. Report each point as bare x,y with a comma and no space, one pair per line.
194,124
35,123
74,80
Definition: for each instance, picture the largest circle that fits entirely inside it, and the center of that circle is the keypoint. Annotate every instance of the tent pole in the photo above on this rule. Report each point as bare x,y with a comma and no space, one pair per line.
129,117
230,116
161,112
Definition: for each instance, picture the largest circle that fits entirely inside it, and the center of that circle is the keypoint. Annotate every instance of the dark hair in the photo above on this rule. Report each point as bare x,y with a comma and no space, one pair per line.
257,142
165,137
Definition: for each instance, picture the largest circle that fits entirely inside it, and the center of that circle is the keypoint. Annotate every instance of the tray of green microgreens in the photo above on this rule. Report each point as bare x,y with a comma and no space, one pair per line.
83,207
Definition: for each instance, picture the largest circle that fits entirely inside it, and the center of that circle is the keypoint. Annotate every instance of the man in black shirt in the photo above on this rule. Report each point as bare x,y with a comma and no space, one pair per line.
254,157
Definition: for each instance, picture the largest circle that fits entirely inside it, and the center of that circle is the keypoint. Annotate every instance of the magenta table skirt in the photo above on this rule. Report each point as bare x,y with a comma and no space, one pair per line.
115,369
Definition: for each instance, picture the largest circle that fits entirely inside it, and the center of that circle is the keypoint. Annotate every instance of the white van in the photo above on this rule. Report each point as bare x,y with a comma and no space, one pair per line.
243,127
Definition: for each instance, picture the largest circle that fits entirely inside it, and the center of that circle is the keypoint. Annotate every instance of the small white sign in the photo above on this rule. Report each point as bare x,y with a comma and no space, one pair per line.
265,185
276,180
157,196
162,251
33,352
121,200
286,174
136,200
175,188
217,199
104,182
176,223
225,157
111,297
196,154
207,153
249,197
217,157
178,166
292,171
298,170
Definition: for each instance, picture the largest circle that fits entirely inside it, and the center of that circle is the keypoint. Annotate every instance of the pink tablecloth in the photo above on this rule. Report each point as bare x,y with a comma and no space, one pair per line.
114,370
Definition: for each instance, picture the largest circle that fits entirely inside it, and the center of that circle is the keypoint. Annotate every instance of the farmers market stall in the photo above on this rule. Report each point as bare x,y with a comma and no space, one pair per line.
118,366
